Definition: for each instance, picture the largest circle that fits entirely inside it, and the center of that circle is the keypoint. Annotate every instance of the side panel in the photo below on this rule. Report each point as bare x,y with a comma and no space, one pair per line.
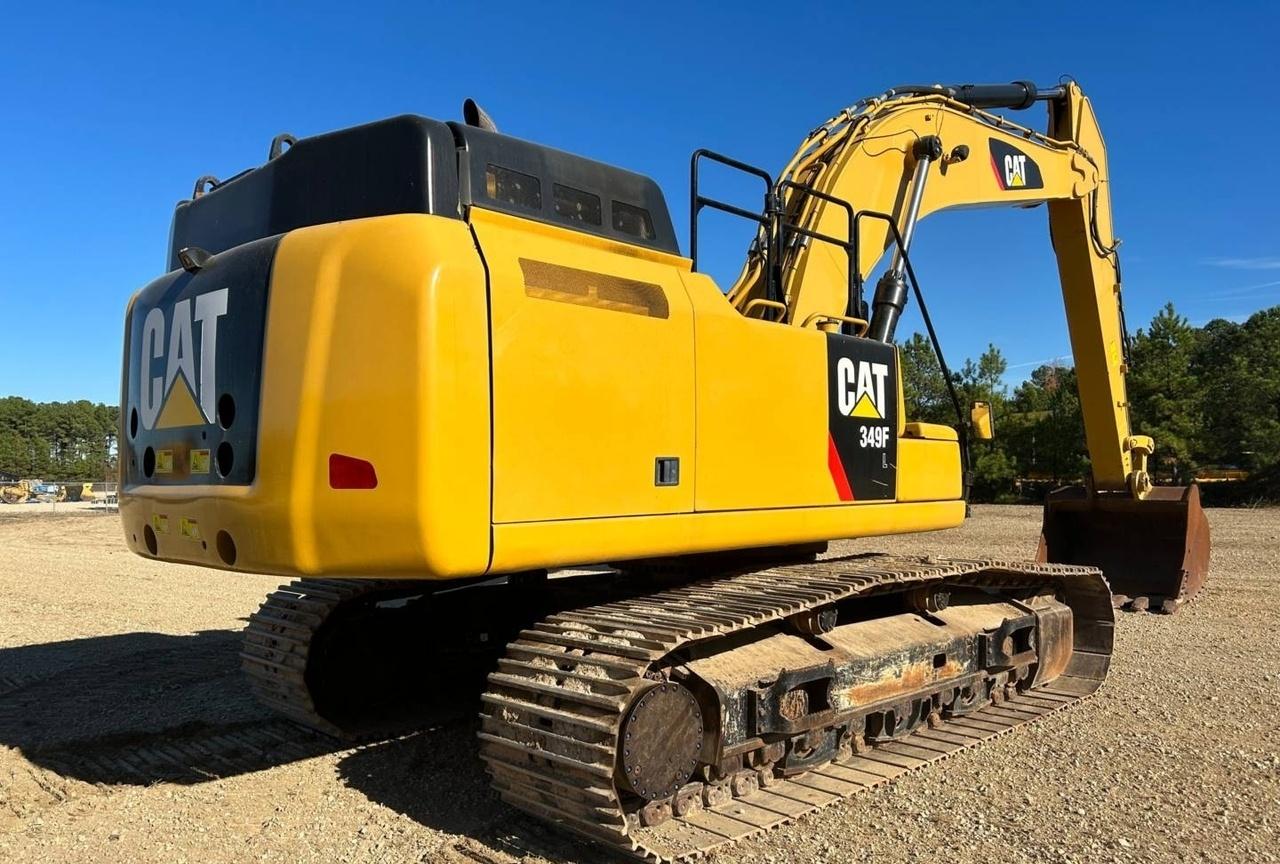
762,410
393,370
593,373
375,348
790,417
928,470
764,476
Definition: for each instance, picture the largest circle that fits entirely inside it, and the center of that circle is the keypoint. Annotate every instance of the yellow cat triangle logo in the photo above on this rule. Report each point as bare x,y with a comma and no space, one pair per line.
180,407
865,408
1016,179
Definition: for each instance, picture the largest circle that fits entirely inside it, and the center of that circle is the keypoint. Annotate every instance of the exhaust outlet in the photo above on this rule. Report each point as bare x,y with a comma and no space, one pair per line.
474,115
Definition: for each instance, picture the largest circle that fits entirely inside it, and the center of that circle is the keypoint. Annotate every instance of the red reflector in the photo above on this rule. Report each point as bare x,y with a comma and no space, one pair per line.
348,472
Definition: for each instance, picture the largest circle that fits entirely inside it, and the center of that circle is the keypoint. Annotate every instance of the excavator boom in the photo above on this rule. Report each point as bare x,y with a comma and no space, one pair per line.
917,150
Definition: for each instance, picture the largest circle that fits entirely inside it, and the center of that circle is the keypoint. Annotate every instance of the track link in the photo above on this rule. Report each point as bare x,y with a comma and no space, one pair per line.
553,711
281,637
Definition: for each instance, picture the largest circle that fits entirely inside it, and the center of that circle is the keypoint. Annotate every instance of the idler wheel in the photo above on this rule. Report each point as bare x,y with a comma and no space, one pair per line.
661,740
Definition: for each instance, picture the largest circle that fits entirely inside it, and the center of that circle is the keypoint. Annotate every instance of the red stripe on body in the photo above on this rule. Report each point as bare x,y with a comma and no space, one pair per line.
996,171
836,467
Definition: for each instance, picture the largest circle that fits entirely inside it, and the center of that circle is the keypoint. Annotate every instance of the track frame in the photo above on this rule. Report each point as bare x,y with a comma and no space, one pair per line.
553,711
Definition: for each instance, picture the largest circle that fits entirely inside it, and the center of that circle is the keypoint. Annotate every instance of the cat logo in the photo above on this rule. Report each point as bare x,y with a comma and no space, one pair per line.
169,400
1013,168
860,388
862,418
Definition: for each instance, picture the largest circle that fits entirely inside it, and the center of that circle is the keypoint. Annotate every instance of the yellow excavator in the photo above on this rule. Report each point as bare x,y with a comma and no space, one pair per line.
425,367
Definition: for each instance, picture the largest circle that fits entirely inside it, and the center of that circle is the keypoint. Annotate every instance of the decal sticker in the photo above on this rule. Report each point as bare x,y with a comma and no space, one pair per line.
159,524
195,361
164,461
186,392
1014,169
189,528
862,418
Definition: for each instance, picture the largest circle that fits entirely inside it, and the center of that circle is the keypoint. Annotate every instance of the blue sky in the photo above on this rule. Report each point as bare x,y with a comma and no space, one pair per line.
109,113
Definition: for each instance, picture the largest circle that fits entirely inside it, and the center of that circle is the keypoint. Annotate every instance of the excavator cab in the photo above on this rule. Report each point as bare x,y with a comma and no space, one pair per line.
1154,551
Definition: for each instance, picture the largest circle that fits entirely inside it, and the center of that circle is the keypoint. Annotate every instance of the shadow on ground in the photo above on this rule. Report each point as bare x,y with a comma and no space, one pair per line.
436,778
141,708
138,708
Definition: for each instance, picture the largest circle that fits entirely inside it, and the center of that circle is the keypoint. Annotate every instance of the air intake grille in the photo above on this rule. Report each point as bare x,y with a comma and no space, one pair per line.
586,288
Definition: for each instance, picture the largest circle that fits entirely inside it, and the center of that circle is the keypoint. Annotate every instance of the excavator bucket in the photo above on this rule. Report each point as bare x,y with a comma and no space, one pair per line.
1154,552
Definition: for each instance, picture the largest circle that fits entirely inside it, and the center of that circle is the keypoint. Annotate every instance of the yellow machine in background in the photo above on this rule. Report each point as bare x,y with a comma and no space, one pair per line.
444,357
33,490
16,493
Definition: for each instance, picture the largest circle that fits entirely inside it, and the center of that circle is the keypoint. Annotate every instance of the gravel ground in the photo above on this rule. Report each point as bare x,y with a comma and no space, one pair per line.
126,733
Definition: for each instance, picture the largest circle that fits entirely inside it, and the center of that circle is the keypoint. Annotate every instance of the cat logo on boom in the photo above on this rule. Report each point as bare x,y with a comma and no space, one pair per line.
1013,168
170,400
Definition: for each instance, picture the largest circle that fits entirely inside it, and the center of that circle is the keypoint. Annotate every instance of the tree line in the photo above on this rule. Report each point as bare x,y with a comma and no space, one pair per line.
57,440
1209,396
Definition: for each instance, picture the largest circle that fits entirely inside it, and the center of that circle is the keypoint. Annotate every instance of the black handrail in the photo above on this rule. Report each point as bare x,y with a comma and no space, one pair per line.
765,219
850,246
776,228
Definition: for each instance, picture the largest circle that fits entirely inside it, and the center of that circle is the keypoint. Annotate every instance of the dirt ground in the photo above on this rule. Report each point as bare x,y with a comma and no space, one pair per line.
126,733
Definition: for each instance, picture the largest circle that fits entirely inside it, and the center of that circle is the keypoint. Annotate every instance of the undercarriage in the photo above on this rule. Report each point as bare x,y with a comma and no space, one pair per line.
675,721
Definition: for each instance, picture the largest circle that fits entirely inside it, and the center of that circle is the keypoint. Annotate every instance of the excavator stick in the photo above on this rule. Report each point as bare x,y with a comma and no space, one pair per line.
1154,552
